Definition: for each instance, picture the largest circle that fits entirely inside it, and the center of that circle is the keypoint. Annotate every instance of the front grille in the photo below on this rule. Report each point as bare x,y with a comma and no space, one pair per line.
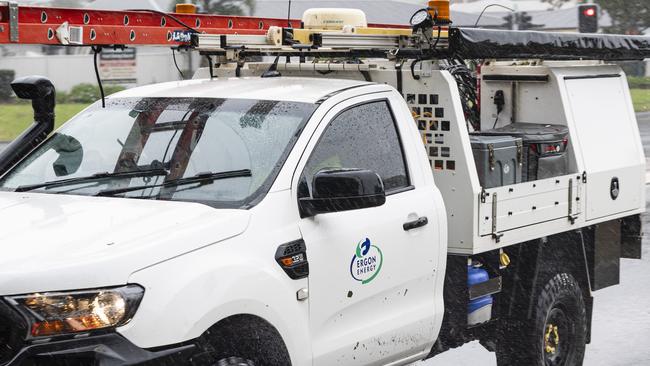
12,331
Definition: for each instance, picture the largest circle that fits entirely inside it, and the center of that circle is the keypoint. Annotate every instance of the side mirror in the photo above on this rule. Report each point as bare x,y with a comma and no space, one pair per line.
343,190
42,93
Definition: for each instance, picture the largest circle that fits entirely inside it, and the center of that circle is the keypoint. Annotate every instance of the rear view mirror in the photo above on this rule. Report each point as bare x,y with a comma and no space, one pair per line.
70,152
343,190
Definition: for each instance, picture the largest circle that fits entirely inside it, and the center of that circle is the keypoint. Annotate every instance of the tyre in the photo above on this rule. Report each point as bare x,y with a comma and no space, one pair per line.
234,361
241,340
555,334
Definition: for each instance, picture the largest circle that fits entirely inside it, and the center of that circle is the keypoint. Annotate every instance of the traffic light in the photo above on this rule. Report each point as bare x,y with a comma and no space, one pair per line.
588,18
510,21
519,21
525,21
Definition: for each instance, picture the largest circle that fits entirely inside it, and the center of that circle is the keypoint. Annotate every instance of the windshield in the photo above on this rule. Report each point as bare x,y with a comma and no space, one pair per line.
118,147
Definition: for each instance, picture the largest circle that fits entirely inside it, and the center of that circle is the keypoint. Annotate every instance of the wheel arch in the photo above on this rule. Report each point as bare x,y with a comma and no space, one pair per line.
246,335
539,260
209,294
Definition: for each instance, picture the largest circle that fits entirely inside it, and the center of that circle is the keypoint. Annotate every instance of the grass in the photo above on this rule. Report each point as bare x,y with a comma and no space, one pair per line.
14,118
636,82
641,99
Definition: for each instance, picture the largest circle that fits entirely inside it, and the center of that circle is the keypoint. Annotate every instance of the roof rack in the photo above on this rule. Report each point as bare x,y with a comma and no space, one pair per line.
350,42
236,38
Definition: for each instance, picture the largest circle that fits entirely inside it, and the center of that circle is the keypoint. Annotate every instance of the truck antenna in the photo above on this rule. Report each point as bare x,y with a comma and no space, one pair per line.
97,50
289,15
489,6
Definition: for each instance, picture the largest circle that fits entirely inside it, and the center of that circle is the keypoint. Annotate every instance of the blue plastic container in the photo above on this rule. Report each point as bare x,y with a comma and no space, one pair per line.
478,310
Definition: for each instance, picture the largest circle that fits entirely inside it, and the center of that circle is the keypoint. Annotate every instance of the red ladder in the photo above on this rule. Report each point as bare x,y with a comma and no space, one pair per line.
39,25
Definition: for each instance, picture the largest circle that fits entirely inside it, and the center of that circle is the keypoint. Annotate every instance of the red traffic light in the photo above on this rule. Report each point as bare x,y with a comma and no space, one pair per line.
588,18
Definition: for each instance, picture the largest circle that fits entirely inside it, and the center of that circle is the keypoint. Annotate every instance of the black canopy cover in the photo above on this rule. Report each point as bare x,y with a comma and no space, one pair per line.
505,44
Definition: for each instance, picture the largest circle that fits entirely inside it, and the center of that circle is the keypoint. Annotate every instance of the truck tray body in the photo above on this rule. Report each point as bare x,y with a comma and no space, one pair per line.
605,159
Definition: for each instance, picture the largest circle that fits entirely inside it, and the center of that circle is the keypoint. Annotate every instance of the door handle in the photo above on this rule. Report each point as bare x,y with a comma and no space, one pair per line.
411,225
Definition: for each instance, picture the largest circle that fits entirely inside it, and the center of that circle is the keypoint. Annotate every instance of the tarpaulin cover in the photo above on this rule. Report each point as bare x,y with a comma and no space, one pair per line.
499,44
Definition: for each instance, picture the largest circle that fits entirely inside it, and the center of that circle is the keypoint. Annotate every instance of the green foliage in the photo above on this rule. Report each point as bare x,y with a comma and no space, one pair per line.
641,100
223,7
628,16
633,68
62,97
87,93
639,82
6,77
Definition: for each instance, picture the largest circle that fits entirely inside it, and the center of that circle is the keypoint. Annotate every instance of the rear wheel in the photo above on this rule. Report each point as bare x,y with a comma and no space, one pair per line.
556,333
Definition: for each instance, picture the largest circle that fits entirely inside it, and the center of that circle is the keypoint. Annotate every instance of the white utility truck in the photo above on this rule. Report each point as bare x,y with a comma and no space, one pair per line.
365,199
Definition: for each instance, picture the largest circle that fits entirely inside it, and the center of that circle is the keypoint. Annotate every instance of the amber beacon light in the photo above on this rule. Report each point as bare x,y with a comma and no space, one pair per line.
440,11
185,8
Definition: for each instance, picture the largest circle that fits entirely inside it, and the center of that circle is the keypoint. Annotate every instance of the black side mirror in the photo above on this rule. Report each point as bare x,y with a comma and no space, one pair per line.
42,93
343,190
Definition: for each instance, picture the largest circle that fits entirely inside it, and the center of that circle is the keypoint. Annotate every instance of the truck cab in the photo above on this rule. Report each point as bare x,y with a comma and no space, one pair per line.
256,244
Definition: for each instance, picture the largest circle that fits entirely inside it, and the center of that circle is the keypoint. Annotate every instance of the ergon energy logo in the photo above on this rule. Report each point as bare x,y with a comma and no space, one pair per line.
366,262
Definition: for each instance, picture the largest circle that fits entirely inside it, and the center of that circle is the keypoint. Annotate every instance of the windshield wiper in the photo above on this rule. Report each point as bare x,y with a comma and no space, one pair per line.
94,177
201,179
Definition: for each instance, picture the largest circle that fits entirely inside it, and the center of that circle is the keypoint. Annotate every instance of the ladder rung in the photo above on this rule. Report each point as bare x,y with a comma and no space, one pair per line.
38,25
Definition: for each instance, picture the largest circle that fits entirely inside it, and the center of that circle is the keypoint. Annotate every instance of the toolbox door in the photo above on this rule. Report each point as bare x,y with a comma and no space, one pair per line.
607,138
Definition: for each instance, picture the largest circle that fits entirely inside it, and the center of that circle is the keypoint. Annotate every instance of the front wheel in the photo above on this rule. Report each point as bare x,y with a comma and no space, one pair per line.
556,333
235,361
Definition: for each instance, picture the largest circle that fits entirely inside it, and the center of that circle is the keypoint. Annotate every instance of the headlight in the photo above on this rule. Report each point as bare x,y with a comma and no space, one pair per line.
57,313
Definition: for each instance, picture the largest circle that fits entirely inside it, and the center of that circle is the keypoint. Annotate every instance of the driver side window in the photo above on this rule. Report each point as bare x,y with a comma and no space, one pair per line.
362,137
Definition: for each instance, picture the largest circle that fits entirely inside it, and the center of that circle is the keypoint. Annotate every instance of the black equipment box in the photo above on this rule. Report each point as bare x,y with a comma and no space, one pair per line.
545,146
498,160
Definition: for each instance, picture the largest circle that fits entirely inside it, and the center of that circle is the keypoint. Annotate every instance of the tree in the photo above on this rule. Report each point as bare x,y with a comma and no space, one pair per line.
555,3
224,7
628,16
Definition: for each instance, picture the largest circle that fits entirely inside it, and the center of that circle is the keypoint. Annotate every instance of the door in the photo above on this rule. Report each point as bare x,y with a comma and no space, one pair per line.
372,280
608,137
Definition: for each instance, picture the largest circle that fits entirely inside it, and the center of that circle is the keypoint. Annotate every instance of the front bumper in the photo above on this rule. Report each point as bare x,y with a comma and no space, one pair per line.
102,350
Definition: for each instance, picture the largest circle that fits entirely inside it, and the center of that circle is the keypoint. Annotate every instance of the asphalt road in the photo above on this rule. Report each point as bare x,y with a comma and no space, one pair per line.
621,328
